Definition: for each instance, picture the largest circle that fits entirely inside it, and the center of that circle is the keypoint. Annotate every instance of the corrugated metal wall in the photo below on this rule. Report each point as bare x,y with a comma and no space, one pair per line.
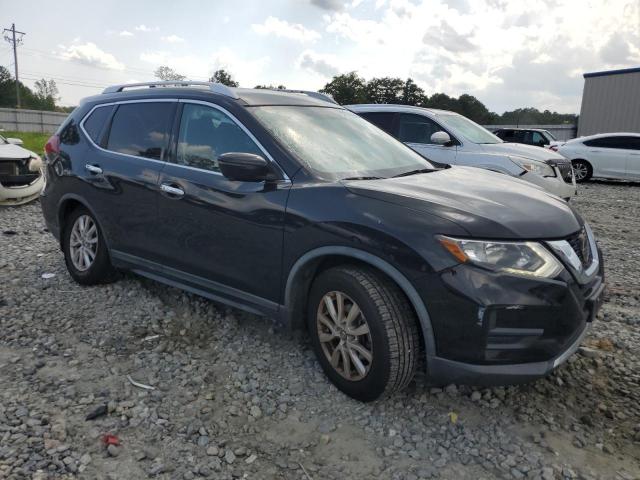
610,103
21,120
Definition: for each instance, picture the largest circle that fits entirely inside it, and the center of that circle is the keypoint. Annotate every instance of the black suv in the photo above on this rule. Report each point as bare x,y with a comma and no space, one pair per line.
287,205
529,136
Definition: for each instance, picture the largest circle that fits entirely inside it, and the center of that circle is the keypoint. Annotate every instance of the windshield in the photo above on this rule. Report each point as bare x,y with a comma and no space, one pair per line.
468,129
549,135
337,143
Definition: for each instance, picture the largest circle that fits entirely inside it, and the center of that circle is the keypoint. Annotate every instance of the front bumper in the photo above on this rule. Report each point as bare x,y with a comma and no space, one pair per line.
496,329
21,194
556,185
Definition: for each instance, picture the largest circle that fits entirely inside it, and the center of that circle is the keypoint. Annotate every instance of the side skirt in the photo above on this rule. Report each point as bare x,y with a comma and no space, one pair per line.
198,285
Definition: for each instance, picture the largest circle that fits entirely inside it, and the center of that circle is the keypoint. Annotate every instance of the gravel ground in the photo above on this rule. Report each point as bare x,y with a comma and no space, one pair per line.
237,397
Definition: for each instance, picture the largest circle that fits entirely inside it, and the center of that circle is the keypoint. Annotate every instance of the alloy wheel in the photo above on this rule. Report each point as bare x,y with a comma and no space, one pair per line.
83,242
580,171
344,335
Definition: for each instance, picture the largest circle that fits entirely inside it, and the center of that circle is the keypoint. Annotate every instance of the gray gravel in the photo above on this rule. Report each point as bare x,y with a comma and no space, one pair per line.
234,396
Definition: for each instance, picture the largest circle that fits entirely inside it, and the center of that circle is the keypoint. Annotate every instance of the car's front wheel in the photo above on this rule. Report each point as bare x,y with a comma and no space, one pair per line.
85,251
363,331
582,170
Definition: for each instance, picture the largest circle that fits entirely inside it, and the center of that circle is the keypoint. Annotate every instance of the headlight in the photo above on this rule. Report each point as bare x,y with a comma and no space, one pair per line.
520,258
535,166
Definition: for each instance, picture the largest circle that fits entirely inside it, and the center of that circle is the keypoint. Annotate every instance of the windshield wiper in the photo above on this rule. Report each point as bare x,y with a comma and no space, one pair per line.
414,172
362,178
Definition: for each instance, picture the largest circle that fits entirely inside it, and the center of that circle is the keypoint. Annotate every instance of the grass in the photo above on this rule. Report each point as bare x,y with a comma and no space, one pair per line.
32,140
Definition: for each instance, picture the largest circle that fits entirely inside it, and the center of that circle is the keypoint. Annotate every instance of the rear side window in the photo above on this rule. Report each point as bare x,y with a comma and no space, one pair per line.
94,123
624,143
381,120
141,129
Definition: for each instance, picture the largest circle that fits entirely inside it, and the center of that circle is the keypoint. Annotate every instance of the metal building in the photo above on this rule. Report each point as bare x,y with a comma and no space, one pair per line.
610,102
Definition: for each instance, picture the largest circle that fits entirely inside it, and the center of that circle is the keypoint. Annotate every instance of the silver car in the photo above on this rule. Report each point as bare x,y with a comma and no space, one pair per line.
447,137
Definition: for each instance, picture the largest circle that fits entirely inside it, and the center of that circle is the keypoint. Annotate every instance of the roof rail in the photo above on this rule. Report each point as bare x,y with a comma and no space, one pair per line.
317,95
218,88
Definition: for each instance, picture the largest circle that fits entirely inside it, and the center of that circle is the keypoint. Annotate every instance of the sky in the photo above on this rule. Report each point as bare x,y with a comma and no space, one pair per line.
507,53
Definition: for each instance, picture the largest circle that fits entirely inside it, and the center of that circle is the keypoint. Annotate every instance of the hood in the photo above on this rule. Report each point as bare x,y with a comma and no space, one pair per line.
13,152
521,150
486,204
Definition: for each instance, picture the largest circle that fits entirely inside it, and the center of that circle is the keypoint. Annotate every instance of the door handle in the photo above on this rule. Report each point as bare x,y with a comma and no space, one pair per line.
171,190
93,169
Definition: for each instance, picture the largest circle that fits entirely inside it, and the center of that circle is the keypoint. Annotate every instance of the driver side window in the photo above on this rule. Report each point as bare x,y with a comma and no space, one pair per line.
417,129
205,134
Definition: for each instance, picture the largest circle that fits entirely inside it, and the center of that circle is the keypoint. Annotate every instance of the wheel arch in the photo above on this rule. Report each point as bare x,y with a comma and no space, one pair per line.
70,202
307,266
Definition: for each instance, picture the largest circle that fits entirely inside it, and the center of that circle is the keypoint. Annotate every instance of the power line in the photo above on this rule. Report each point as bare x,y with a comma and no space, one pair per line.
14,42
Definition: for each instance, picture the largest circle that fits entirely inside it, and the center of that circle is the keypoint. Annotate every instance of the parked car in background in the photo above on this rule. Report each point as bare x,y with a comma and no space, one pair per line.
20,173
606,155
293,207
449,138
537,137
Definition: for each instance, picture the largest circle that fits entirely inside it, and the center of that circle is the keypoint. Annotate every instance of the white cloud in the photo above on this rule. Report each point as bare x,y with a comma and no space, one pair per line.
173,39
332,5
125,33
248,72
282,28
144,28
90,54
324,65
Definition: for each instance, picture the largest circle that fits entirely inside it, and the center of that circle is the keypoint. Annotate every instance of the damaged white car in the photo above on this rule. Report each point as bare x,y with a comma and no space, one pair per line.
21,178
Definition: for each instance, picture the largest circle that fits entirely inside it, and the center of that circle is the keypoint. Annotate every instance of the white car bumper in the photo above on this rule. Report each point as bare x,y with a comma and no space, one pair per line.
21,194
555,185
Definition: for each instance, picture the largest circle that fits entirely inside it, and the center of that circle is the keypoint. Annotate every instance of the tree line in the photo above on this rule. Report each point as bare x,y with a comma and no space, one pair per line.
43,97
346,89
349,88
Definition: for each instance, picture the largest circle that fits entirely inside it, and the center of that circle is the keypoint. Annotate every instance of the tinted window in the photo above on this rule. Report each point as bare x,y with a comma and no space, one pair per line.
507,135
381,120
626,143
417,129
206,133
95,122
534,138
141,129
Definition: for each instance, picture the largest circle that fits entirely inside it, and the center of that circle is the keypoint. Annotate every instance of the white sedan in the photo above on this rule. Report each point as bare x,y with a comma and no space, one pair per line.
21,177
606,155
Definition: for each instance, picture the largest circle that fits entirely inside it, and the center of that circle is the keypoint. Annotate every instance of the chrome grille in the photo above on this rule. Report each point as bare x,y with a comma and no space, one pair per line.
580,244
566,171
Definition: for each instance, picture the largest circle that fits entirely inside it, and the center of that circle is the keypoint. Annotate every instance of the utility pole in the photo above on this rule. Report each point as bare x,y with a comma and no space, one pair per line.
10,36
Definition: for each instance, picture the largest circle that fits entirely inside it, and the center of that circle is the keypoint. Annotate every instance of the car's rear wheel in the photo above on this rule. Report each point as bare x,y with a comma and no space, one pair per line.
582,170
85,251
363,331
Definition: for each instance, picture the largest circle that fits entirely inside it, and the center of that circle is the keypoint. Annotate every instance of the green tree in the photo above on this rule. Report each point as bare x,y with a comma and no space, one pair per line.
412,94
346,89
167,73
47,93
270,87
384,90
223,77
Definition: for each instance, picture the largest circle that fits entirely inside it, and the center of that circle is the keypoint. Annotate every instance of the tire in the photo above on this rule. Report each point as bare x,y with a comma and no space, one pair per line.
99,269
392,339
582,170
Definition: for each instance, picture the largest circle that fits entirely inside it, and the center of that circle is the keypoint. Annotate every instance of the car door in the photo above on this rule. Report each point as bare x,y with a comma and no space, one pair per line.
416,130
633,158
221,235
608,156
121,172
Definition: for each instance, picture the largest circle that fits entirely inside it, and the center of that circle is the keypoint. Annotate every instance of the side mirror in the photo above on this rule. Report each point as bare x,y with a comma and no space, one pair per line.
245,167
441,138
15,141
